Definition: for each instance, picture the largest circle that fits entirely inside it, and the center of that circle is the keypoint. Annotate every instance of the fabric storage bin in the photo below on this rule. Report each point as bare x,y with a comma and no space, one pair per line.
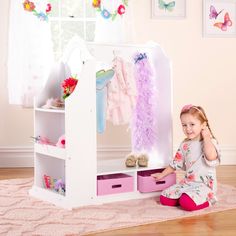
146,183
114,183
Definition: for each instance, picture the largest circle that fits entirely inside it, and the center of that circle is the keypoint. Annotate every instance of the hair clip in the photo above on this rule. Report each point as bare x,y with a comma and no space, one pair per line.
186,107
140,57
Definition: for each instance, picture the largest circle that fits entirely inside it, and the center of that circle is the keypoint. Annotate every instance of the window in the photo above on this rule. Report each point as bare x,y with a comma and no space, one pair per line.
71,18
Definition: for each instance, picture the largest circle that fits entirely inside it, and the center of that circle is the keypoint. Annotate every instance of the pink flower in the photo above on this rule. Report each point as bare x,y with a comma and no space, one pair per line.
210,183
185,146
182,181
121,10
178,156
69,86
191,177
210,195
96,3
28,6
49,8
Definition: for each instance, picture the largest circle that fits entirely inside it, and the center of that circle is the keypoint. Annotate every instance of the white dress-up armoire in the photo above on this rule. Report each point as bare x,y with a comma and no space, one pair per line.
78,164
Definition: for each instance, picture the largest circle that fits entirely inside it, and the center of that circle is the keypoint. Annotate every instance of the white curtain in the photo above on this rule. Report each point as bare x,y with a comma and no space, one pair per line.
30,54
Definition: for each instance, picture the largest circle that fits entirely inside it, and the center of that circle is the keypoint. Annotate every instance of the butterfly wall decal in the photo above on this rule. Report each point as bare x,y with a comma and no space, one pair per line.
166,6
213,13
223,25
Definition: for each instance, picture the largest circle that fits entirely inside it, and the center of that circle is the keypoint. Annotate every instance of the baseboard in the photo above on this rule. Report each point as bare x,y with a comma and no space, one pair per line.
16,156
228,155
23,156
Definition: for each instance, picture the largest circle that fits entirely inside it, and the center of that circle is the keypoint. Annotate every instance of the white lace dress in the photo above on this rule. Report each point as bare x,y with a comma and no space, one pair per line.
199,181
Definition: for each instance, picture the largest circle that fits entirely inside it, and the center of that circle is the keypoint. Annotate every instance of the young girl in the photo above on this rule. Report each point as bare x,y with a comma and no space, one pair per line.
198,155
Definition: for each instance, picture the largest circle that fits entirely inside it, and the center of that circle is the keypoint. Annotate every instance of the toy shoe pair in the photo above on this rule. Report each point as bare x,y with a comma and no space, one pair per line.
140,159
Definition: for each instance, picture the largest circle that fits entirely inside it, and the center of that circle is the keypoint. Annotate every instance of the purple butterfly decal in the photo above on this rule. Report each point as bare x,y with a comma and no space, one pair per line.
213,13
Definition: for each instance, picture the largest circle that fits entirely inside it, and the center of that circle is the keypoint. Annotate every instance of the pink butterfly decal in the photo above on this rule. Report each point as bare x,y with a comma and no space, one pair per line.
213,13
223,25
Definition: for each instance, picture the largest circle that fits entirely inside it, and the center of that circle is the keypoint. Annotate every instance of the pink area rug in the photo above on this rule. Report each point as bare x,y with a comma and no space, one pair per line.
21,214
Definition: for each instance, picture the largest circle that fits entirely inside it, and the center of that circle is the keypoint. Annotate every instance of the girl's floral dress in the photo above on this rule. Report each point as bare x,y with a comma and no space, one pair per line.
200,181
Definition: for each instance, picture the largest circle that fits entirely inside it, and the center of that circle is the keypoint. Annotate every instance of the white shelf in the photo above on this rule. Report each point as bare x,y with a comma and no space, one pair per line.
50,150
49,196
50,110
106,167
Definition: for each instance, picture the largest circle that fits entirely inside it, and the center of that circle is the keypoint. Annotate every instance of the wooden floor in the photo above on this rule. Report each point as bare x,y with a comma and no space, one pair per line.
215,224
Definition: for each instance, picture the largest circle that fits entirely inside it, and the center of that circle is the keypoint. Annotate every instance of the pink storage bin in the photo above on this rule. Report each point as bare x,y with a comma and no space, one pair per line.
147,184
114,183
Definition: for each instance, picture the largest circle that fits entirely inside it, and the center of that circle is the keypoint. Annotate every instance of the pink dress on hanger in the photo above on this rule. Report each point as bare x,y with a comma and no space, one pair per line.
121,93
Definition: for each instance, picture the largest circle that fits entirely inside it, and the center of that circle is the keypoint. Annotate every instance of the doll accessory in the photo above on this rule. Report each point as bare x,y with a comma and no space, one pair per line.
102,79
42,15
56,185
54,103
61,141
186,107
134,158
106,14
59,186
47,181
48,104
143,160
130,160
42,140
143,125
140,57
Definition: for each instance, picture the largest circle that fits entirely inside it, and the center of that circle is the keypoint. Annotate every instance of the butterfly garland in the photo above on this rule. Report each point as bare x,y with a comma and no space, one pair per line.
166,6
30,7
110,15
223,26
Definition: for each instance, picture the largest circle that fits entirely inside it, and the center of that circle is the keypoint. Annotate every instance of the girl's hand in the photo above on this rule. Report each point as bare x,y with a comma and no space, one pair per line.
157,176
206,134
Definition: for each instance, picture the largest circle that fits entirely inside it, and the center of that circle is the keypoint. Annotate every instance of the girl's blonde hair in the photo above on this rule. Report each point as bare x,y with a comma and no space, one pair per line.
197,112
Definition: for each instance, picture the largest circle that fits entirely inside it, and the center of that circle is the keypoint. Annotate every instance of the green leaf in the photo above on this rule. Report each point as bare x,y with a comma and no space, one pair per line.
114,16
202,178
125,2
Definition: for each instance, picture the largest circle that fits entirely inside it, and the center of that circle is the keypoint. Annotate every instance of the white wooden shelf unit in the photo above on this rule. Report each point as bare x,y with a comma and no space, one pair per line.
78,165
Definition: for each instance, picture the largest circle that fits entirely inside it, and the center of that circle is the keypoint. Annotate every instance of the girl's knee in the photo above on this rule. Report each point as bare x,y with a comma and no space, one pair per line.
188,204
168,201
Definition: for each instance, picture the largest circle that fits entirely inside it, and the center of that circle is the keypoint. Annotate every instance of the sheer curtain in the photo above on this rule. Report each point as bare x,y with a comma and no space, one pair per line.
30,54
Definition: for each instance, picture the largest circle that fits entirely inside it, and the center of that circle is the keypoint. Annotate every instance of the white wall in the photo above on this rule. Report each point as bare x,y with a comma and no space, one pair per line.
203,74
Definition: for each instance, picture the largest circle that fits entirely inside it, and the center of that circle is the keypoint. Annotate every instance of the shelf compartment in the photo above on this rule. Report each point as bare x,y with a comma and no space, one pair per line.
49,166
114,183
50,150
113,166
49,125
50,110
146,183
49,196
